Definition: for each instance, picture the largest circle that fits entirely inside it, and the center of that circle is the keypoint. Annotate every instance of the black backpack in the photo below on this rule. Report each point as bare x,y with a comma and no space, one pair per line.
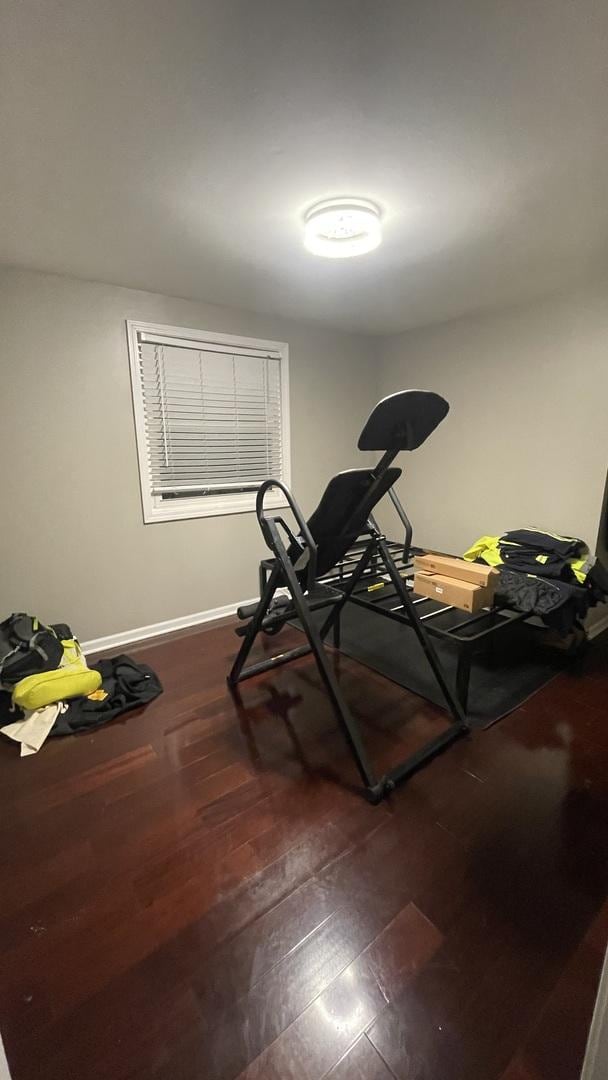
28,647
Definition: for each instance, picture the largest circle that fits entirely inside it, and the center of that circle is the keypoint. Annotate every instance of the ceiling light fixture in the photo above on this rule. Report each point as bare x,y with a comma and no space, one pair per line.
341,228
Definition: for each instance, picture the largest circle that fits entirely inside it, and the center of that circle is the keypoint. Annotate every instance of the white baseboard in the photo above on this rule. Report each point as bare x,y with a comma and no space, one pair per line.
141,633
597,627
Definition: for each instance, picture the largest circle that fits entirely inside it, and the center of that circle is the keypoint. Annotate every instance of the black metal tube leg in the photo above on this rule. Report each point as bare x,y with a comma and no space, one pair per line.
463,676
254,626
428,648
334,616
347,722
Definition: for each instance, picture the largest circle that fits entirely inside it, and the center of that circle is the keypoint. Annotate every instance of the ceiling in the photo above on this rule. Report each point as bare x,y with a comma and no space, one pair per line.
173,146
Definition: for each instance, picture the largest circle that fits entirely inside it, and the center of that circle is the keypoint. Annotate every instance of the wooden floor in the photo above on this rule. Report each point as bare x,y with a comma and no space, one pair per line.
197,893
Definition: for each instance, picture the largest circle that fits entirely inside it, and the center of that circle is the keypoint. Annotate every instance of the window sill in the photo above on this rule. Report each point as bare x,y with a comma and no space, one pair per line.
218,507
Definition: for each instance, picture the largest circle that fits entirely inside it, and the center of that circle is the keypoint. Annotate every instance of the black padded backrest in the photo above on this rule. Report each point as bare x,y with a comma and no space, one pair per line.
403,421
342,513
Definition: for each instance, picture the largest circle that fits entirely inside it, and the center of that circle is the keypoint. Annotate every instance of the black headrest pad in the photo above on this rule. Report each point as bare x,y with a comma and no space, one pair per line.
403,421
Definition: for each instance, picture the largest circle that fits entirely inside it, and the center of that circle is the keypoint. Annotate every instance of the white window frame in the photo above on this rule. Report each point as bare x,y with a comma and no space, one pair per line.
154,508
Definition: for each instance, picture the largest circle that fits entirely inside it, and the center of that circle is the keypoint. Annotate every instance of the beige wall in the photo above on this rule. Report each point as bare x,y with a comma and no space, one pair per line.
74,546
526,439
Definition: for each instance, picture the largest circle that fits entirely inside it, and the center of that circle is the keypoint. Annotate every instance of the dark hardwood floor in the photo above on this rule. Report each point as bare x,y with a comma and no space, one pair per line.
197,892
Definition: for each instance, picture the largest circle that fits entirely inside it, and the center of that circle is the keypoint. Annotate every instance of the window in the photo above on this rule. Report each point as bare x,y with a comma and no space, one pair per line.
211,418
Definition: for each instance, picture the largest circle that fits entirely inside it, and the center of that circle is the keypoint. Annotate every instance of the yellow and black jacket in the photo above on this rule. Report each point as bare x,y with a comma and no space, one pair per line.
534,552
545,574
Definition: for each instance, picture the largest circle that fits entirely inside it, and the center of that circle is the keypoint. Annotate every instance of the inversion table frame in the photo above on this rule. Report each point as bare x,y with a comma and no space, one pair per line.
400,422
466,636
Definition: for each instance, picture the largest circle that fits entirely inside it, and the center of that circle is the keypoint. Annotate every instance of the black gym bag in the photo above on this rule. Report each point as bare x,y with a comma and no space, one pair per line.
28,647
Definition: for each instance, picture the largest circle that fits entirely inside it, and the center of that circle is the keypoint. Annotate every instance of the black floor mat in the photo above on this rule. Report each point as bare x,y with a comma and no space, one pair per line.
502,677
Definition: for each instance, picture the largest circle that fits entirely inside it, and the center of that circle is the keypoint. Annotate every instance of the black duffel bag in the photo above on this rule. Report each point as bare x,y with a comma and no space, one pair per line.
28,647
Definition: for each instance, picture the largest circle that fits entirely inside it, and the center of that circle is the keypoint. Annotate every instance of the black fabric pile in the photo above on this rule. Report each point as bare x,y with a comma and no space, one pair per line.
559,604
523,549
550,576
126,684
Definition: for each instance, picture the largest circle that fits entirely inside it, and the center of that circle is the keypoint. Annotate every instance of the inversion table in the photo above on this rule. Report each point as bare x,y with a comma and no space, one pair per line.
344,516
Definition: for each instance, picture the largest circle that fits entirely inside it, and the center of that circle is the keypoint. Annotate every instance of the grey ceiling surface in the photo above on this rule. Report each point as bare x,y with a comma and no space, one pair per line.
173,146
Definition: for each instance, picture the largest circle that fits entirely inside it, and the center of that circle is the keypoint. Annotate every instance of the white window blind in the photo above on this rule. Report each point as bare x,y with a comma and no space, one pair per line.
212,424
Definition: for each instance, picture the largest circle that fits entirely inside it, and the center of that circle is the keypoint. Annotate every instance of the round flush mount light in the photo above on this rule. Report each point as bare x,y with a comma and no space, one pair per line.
341,228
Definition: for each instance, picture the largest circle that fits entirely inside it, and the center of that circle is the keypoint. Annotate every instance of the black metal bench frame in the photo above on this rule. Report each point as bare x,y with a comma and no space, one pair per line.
468,636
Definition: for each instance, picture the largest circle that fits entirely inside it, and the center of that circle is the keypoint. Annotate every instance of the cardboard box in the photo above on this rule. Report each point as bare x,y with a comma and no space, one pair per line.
460,594
460,569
